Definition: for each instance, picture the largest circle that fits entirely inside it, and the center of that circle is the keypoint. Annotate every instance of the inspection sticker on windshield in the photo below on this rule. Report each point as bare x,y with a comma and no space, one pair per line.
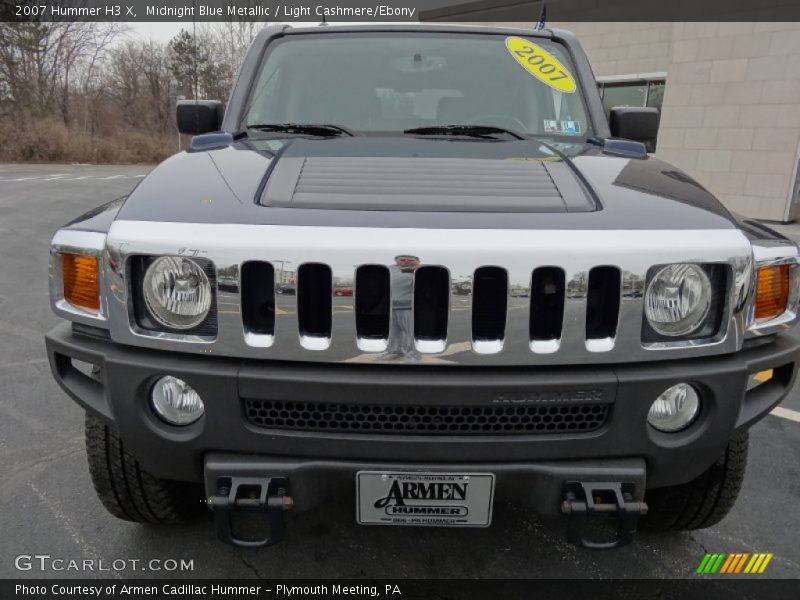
424,499
570,128
562,127
541,64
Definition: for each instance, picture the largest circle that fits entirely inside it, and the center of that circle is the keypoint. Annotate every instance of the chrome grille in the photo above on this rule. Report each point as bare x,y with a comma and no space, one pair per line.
406,309
425,296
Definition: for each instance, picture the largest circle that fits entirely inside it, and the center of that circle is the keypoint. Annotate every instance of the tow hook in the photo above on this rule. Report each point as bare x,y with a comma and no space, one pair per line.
237,495
586,503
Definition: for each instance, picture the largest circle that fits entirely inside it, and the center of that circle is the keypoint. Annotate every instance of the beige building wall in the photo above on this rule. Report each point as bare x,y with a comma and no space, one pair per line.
731,112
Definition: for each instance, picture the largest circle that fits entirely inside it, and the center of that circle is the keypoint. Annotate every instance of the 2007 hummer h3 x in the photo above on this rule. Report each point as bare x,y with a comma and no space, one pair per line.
419,266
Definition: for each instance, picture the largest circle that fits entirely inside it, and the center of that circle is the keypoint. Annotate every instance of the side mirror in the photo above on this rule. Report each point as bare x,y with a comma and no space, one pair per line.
196,117
634,123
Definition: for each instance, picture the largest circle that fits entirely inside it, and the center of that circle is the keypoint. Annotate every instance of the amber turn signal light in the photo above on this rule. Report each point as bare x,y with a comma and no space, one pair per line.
79,275
772,292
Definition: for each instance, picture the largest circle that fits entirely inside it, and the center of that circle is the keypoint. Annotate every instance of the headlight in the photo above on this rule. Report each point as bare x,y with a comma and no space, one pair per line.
678,299
177,292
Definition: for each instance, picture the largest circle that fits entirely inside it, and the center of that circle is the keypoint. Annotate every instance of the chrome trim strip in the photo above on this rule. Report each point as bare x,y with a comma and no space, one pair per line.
258,340
487,346
72,241
371,346
600,344
573,332
519,252
772,253
459,318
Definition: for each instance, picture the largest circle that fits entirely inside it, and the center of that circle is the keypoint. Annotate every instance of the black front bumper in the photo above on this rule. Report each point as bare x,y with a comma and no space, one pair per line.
317,461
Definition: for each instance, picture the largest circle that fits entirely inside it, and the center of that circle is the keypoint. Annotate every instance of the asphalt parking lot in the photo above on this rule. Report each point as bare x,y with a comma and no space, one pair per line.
49,506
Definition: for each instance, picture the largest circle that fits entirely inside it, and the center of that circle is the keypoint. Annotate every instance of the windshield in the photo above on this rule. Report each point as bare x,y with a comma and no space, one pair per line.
390,82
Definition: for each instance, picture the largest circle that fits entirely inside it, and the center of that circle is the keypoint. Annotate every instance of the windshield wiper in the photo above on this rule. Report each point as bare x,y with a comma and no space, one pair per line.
483,131
318,129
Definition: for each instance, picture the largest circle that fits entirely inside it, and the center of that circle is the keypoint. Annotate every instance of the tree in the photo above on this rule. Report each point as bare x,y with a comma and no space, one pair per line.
185,60
59,80
40,62
207,68
141,84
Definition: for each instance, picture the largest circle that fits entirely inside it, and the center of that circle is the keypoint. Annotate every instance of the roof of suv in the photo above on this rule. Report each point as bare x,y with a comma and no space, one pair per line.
410,27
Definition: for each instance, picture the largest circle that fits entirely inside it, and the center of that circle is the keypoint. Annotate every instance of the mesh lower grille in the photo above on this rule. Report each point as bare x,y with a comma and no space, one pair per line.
425,420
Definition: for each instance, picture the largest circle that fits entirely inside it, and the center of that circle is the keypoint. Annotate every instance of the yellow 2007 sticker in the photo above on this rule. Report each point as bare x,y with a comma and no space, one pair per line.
541,64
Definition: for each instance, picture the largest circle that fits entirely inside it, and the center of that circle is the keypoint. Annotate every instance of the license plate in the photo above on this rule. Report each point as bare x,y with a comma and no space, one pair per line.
424,499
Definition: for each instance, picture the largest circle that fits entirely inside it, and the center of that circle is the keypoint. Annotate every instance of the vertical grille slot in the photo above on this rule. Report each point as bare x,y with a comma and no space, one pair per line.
314,292
258,297
372,303
431,306
489,304
602,303
547,304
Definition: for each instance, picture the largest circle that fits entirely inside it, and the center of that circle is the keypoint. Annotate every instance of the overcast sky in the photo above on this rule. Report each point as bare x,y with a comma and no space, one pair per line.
161,32
164,32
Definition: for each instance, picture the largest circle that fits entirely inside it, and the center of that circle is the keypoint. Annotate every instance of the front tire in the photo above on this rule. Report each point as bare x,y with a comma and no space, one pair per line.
127,490
705,500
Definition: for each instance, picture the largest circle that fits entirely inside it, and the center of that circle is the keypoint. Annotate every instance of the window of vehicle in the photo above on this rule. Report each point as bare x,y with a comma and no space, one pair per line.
386,83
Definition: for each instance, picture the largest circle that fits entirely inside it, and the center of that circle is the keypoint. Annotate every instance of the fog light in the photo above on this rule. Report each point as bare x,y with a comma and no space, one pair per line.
675,409
176,402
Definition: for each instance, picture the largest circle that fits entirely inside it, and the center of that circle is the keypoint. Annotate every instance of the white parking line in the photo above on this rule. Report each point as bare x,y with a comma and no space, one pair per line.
786,413
67,177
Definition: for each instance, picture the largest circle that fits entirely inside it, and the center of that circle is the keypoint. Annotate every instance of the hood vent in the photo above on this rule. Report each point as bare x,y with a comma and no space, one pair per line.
425,184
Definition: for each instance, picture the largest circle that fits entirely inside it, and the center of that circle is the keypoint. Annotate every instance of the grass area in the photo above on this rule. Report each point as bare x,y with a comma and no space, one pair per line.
47,140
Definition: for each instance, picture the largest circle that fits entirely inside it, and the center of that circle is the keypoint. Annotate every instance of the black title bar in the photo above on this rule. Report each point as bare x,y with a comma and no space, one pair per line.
399,589
398,11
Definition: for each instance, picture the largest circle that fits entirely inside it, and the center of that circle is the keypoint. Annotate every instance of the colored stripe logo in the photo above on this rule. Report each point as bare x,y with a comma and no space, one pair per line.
736,562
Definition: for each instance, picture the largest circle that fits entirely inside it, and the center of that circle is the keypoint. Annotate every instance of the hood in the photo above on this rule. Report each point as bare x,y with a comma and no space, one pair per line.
360,176
414,182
